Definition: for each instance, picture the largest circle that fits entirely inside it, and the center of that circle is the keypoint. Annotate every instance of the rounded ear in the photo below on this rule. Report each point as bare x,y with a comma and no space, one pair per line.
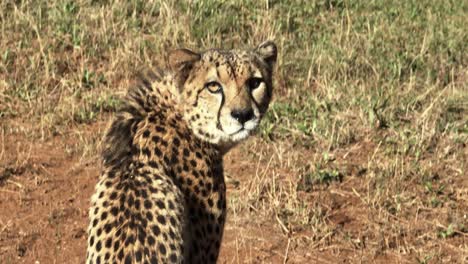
268,52
180,57
180,62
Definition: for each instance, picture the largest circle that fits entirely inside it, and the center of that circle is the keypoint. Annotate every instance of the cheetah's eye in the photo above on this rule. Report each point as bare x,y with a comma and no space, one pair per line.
214,87
253,83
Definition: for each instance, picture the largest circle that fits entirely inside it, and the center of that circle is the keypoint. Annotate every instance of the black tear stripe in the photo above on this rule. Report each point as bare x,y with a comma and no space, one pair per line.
218,116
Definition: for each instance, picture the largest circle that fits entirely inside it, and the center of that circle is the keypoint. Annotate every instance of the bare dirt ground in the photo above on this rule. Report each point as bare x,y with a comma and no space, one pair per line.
45,188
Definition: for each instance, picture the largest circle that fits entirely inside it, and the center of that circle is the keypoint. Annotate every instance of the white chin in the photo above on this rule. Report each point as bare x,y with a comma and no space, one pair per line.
241,135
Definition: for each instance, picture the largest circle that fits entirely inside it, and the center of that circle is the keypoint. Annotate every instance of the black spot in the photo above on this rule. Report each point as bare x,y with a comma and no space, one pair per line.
157,152
148,204
151,240
153,164
114,211
116,245
172,234
98,260
98,246
107,228
149,216
160,129
108,243
101,194
171,205
176,142
155,139
161,219
130,201
95,221
162,249
119,186
173,258
120,255
189,182
122,198
138,256
128,259
146,134
193,163
153,260
210,202
174,159
198,154
111,174
156,230
99,232
91,241
104,216
160,204
186,152
173,221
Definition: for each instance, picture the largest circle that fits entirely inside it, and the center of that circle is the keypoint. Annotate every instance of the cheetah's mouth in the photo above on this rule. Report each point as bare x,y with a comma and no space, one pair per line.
242,129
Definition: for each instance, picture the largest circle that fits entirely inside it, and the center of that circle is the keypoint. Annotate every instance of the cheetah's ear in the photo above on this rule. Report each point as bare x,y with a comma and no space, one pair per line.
268,52
180,62
181,57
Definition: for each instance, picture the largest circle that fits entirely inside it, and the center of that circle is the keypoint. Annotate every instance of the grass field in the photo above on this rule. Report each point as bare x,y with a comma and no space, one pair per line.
361,159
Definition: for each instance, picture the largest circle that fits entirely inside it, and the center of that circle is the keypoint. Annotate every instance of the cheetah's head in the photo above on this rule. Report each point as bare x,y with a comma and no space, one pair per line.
224,94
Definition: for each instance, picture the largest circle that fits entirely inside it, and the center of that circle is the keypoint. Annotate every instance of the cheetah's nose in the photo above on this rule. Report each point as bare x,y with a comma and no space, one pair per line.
242,115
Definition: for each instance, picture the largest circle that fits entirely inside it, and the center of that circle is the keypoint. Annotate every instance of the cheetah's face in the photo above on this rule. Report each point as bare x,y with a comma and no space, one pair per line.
224,93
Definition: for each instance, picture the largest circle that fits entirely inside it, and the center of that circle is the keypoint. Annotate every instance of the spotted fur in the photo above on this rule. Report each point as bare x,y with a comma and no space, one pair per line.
161,197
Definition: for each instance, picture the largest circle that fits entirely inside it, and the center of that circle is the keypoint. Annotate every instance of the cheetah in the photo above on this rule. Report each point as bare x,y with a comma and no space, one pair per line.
161,196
